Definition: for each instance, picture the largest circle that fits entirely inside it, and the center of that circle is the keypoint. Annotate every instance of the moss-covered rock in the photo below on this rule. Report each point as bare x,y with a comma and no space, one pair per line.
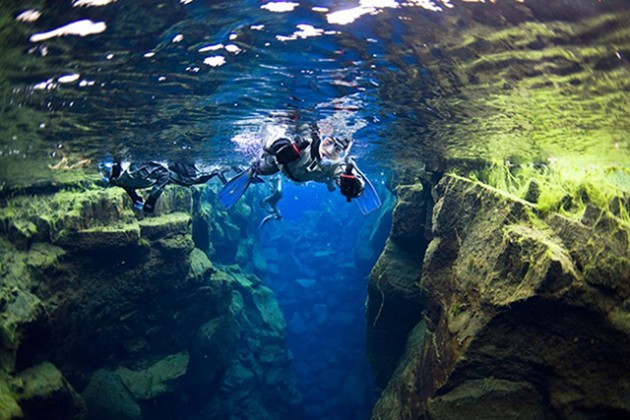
159,378
153,228
523,309
394,294
130,312
213,349
43,392
489,398
9,407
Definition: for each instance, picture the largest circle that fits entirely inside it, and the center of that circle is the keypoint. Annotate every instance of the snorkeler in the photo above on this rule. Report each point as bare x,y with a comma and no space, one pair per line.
270,203
131,176
325,161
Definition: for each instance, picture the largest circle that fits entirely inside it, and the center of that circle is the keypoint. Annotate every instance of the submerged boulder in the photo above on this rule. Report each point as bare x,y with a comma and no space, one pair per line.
524,314
159,378
43,392
107,397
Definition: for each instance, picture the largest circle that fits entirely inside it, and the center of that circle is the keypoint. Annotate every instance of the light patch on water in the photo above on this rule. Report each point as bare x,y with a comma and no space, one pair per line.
234,49
372,7
68,78
82,27
280,6
257,27
30,15
214,47
304,31
345,17
46,85
90,3
185,1
149,54
428,4
85,83
214,61
178,38
320,9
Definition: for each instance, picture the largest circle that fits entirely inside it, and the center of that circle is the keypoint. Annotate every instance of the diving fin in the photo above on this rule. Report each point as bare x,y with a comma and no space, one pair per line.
236,187
369,200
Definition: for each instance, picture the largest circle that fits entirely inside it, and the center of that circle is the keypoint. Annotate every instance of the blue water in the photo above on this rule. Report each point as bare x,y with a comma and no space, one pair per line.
321,255
207,81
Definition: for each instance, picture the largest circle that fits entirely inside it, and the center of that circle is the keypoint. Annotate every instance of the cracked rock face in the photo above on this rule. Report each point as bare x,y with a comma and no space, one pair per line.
106,313
525,314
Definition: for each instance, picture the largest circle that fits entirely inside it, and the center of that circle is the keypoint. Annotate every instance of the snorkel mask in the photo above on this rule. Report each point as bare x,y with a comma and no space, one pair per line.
333,148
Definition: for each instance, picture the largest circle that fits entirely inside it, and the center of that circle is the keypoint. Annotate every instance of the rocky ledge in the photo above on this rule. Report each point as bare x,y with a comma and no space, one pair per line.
107,313
519,313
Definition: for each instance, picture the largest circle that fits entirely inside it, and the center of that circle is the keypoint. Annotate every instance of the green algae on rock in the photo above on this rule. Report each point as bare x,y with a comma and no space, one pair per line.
125,312
521,307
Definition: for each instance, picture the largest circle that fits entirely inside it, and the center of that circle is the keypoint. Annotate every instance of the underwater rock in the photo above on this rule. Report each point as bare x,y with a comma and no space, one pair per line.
297,325
108,398
212,350
153,228
522,312
394,289
411,217
267,306
43,392
157,379
489,398
100,238
21,320
9,407
131,313
305,283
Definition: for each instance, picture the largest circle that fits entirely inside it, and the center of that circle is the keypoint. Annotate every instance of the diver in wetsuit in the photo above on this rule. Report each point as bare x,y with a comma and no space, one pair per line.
303,160
270,203
132,176
316,160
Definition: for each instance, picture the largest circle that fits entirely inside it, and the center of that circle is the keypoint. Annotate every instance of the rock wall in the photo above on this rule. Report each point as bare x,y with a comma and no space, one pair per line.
525,314
107,313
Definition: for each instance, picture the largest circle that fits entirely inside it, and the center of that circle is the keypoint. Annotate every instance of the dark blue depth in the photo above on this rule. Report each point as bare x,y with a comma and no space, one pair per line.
319,259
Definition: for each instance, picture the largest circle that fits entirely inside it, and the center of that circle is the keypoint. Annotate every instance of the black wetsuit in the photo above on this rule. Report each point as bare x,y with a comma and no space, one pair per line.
132,176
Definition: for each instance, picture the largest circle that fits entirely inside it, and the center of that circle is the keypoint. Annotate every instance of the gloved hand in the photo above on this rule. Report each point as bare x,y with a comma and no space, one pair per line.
350,186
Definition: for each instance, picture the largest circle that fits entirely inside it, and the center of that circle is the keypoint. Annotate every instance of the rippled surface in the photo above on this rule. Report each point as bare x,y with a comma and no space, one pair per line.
416,82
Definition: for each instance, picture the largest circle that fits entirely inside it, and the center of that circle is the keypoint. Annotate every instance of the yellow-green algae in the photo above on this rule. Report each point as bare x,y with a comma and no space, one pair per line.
564,187
528,92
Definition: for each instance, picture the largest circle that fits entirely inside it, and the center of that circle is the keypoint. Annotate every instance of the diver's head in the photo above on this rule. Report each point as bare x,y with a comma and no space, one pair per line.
331,148
105,169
